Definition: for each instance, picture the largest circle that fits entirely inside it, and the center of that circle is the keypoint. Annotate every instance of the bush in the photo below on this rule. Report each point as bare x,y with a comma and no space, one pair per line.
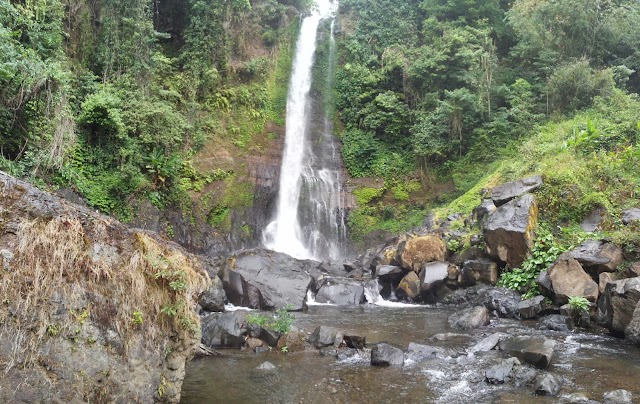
579,304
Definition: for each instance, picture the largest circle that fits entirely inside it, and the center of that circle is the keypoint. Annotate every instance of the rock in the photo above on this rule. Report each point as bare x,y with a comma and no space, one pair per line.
544,285
433,274
355,341
479,271
501,301
372,291
593,220
631,215
421,353
329,351
502,372
265,279
618,397
346,353
323,336
270,337
224,329
262,349
632,331
214,297
266,366
470,318
531,308
7,256
598,256
386,355
569,279
548,384
524,376
418,251
467,254
508,232
253,343
507,191
293,341
483,210
537,351
556,322
577,398
618,303
409,286
389,272
581,319
487,343
340,291
604,278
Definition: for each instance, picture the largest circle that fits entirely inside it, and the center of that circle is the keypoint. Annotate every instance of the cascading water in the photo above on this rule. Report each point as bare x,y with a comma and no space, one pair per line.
309,219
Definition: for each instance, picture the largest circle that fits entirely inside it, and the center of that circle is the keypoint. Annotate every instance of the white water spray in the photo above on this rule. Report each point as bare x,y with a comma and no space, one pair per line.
308,220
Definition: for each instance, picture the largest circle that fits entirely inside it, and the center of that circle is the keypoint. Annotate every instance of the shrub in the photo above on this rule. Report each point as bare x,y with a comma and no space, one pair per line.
579,304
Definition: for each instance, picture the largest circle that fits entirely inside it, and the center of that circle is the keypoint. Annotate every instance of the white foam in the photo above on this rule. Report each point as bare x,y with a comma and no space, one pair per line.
231,307
311,300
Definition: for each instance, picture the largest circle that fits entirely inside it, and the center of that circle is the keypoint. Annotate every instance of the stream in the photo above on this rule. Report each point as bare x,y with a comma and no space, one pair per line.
590,363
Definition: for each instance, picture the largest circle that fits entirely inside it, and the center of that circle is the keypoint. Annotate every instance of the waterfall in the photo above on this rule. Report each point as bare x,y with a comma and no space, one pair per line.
309,219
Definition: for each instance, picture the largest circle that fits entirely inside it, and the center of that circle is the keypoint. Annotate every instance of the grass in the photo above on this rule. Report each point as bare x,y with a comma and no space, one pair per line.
115,290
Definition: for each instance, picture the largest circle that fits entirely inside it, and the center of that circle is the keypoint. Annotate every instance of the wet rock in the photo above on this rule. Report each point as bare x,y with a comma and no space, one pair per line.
467,254
556,322
548,384
386,355
483,210
269,336
253,343
266,366
501,301
605,278
631,216
409,286
293,341
579,318
264,279
544,284
355,341
575,398
262,349
329,351
323,336
417,251
537,351
502,372
340,291
470,318
618,397
421,353
479,271
569,279
508,232
433,274
487,343
531,308
524,376
507,191
448,336
224,329
214,297
388,272
346,353
617,304
598,256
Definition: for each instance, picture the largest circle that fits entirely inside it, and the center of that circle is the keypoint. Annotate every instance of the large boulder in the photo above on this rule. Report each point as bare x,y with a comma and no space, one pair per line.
224,329
409,286
630,216
340,291
501,372
417,251
569,279
548,384
531,308
479,271
487,343
470,318
537,351
264,279
483,210
598,256
293,341
386,355
214,297
632,332
433,274
617,305
389,272
508,232
502,302
507,191
556,322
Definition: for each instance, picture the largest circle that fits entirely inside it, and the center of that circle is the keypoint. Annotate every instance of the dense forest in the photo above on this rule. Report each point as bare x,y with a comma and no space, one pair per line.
434,99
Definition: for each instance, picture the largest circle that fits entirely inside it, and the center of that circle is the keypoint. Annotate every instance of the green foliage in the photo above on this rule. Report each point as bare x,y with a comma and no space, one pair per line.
544,252
579,304
365,195
279,322
137,318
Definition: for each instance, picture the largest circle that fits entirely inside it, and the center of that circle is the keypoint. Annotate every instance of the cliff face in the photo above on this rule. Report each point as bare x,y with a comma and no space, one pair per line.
91,310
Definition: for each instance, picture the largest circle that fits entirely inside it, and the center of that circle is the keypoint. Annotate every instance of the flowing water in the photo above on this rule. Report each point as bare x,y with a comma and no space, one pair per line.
309,221
592,364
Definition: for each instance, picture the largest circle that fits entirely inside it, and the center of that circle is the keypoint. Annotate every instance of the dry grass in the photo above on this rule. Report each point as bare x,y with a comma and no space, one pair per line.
127,289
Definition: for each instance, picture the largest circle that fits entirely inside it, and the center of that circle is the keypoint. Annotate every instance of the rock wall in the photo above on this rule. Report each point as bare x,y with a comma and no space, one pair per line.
91,310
